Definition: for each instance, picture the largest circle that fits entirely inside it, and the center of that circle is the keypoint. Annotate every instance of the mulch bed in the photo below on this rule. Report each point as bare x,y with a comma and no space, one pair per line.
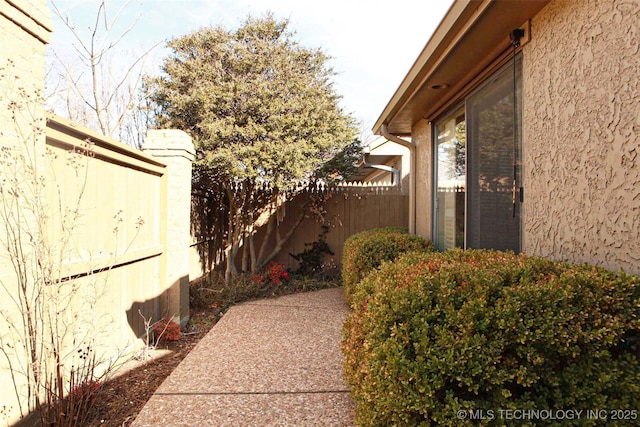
121,399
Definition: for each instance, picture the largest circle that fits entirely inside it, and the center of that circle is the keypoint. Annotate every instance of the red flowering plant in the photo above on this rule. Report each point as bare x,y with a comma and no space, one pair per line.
258,279
85,392
166,329
275,273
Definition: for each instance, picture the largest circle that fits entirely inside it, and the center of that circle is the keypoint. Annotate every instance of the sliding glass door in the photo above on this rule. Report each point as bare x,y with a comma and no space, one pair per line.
478,168
450,180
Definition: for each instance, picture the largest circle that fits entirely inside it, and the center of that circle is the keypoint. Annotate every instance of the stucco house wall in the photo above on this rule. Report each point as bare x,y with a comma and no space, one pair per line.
25,28
581,136
421,135
582,133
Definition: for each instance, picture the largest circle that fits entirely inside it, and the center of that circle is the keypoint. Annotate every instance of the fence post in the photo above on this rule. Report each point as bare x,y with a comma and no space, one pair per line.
176,150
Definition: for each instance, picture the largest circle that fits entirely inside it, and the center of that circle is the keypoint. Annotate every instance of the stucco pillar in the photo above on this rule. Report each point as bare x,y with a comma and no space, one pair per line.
175,149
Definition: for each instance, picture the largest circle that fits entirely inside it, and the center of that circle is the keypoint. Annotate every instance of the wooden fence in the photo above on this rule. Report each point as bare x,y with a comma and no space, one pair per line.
117,245
91,231
94,242
348,209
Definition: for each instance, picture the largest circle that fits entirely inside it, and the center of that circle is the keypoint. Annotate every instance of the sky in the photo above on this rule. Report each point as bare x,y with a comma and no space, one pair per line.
373,43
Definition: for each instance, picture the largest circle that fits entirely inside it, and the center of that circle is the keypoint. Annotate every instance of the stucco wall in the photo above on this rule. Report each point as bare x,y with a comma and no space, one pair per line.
421,135
25,28
24,31
582,126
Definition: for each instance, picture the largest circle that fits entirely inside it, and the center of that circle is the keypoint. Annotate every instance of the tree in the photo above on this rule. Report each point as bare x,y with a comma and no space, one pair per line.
264,117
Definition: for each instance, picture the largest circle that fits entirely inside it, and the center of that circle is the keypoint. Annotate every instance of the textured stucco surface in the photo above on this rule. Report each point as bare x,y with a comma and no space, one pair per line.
581,133
421,135
23,55
175,148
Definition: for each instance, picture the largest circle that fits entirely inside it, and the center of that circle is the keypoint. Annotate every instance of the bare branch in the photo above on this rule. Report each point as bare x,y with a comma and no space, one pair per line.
125,32
109,97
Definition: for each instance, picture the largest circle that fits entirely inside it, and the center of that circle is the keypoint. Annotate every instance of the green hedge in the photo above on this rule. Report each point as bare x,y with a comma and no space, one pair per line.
437,333
367,250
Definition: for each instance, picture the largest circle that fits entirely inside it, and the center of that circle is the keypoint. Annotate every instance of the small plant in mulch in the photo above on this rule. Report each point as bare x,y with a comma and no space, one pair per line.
275,273
85,391
166,330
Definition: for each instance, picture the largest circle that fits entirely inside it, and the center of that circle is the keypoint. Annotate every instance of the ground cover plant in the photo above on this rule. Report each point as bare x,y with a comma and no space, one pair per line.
437,333
213,291
365,251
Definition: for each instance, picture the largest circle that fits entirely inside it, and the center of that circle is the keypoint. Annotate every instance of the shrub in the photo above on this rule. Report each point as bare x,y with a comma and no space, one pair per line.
166,329
311,260
274,274
213,292
439,333
85,392
365,251
203,293
308,284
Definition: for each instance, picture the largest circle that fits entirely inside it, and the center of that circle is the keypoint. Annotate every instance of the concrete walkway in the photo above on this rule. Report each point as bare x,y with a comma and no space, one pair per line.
274,362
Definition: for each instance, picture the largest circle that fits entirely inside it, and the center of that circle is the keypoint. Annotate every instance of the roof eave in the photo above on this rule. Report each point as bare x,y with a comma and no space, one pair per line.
427,56
469,36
